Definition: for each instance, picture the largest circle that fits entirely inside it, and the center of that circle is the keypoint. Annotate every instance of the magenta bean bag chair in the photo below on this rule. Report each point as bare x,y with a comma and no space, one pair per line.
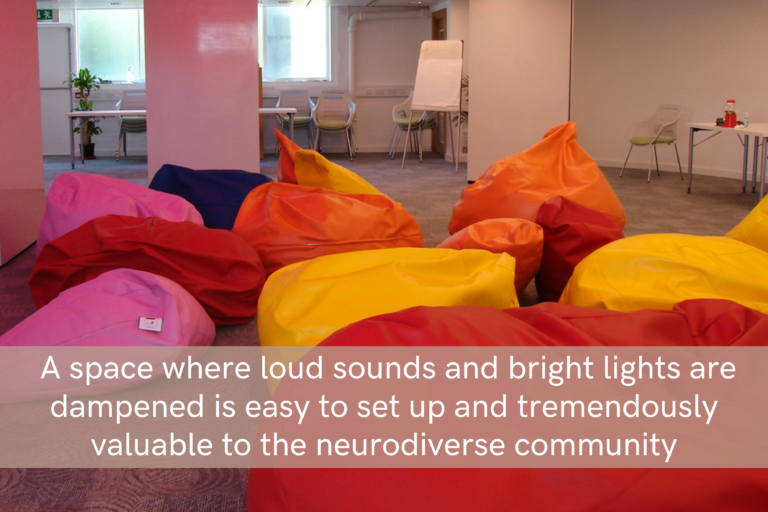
216,266
76,198
704,322
104,312
571,233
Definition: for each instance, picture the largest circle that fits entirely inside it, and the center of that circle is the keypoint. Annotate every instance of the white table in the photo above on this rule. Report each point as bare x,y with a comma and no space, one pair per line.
290,112
757,131
94,113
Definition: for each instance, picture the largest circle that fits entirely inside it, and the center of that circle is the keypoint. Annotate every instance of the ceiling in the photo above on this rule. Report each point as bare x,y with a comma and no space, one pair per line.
123,4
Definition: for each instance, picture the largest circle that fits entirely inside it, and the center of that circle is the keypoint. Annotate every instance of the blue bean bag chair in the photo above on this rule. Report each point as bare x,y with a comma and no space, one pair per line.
217,194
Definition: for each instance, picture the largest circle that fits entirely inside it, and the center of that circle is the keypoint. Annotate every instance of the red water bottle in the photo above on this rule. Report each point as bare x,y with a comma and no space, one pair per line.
730,114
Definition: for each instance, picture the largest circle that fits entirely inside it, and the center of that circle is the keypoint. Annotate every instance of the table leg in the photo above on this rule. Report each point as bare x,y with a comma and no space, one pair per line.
72,141
690,159
754,163
762,169
745,165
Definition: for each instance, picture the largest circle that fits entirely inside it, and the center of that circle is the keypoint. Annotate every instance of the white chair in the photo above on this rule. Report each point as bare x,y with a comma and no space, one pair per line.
401,115
300,100
661,129
334,113
130,100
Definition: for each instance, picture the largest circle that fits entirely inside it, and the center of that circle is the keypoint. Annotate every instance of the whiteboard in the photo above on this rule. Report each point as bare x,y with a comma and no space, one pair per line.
438,76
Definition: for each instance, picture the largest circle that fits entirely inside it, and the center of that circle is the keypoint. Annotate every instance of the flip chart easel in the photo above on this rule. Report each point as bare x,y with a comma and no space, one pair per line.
438,85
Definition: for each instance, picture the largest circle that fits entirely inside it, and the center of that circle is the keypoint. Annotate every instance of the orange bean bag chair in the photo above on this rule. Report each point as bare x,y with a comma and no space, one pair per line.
286,163
521,239
696,322
290,223
216,266
571,233
516,186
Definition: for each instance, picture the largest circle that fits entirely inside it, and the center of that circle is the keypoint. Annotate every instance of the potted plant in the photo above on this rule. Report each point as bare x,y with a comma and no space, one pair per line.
84,82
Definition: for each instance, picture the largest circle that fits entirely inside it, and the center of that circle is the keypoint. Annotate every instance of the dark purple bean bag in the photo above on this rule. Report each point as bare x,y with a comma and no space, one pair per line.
217,194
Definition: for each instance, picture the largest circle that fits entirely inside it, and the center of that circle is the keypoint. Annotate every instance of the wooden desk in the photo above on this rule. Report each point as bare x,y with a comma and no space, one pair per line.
290,112
758,131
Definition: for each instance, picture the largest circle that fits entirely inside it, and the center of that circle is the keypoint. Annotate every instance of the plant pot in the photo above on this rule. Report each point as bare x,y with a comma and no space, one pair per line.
87,150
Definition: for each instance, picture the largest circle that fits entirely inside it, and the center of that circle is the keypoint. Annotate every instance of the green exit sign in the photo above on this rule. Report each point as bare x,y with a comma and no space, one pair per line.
44,14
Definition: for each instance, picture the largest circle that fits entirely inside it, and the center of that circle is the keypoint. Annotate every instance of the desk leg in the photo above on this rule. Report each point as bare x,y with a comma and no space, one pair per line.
762,169
72,141
745,165
690,159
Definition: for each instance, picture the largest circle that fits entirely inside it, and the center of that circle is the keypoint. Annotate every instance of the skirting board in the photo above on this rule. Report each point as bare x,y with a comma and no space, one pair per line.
702,171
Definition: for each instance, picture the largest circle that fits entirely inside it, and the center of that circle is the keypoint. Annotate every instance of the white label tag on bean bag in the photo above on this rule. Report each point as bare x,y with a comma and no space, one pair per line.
150,324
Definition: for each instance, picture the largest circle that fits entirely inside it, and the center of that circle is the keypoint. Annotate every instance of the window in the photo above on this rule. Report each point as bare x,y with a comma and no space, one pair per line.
110,42
294,43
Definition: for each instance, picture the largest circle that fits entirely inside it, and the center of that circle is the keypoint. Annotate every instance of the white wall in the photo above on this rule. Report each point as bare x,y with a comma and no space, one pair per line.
519,76
631,55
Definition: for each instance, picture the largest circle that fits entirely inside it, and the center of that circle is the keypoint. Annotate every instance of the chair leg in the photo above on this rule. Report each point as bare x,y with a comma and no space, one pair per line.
125,145
626,160
349,144
117,150
680,167
316,145
656,155
650,165
392,143
277,143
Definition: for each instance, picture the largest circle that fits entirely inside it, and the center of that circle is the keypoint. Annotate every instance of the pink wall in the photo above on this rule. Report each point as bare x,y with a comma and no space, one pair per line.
21,157
202,84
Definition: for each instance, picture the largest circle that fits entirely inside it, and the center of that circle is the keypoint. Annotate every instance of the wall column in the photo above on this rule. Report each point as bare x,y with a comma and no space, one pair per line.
202,84
21,160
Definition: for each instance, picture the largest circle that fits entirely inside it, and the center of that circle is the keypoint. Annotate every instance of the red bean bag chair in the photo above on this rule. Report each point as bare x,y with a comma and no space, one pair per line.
102,312
571,233
516,186
289,223
287,161
76,198
216,266
696,322
521,239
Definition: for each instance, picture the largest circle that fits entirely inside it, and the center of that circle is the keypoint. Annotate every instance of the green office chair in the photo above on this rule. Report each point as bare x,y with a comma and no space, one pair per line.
300,100
661,129
130,100
334,113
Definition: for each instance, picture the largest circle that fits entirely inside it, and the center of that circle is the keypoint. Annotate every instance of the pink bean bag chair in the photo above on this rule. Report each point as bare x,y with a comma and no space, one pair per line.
696,322
571,233
289,223
76,198
516,186
521,239
216,266
104,312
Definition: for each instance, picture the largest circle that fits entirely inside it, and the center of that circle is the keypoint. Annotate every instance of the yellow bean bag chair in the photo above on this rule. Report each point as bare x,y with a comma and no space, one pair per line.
753,230
659,270
314,170
304,303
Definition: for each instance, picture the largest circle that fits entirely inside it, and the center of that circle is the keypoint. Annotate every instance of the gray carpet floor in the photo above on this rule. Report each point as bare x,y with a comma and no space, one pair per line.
428,190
